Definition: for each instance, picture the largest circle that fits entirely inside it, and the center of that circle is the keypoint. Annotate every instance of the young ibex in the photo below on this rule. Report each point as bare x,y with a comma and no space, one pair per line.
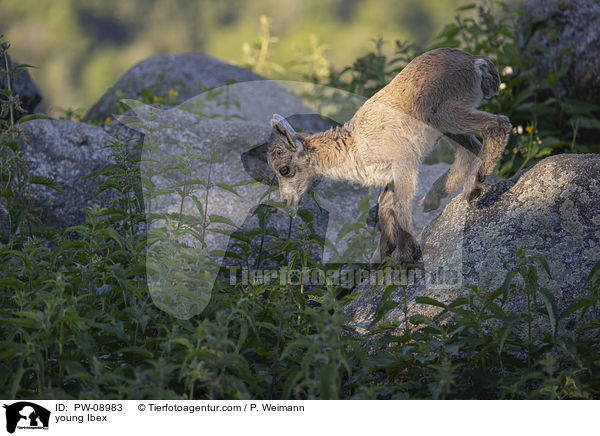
435,95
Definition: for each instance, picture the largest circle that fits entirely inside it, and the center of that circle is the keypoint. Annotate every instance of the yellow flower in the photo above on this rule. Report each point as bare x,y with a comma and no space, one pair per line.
155,99
173,92
108,120
529,129
206,273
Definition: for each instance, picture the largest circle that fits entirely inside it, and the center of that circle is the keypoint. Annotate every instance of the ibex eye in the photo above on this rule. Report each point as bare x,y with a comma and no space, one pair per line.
284,171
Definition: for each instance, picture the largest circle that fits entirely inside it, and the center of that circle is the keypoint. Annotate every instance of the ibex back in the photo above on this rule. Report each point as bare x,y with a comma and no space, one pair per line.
435,95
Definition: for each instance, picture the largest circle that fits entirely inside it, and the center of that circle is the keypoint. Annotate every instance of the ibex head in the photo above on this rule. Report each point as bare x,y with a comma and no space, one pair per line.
287,158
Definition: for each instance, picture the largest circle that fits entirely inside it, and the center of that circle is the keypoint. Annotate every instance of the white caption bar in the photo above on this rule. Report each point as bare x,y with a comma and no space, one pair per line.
250,417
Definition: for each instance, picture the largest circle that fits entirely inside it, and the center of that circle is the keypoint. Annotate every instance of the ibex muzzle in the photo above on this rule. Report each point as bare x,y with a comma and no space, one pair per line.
436,95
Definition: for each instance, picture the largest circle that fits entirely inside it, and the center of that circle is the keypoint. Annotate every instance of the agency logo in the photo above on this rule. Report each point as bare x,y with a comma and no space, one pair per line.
26,415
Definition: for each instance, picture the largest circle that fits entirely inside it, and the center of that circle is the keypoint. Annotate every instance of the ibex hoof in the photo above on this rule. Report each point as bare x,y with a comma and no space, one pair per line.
408,255
499,127
474,194
430,202
504,123
477,192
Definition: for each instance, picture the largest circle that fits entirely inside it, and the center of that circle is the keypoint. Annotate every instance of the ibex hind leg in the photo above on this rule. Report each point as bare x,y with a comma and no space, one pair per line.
467,148
469,142
494,142
493,129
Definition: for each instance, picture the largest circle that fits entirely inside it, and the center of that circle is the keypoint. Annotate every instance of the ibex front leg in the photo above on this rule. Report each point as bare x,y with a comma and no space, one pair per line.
405,180
387,222
395,238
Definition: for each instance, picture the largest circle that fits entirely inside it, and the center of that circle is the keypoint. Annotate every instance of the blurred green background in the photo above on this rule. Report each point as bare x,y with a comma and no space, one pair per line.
80,48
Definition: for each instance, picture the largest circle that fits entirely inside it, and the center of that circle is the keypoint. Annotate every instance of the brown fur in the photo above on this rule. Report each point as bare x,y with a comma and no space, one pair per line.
435,95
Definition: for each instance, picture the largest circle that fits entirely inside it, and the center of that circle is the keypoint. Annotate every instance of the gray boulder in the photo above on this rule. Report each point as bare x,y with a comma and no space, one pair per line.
23,86
192,75
189,74
551,209
65,151
557,32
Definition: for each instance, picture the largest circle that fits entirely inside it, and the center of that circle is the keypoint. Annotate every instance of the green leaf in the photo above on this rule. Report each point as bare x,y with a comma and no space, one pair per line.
590,324
46,181
159,192
16,381
506,329
496,310
13,145
182,341
531,280
422,319
306,216
510,275
386,303
140,351
348,228
30,117
221,219
363,204
383,327
492,296
595,271
429,301
551,308
544,263
112,233
329,381
312,194
350,297
585,122
243,334
11,282
316,298
248,182
24,66
226,187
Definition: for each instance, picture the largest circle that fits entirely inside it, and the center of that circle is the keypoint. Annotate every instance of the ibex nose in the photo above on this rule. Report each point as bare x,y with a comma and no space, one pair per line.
290,200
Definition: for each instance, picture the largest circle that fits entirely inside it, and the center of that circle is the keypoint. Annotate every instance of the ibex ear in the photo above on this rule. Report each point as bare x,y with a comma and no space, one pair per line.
285,130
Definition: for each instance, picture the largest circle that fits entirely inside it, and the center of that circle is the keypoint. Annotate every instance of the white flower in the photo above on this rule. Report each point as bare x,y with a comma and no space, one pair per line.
507,70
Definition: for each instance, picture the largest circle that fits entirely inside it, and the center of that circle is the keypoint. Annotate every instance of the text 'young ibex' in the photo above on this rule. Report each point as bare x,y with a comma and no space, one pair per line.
435,95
